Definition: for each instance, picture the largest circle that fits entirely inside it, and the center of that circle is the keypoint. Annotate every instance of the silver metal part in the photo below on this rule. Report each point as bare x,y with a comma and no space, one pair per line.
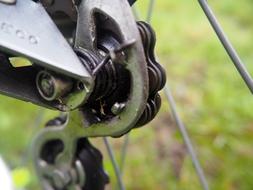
8,1
27,30
52,87
66,93
117,108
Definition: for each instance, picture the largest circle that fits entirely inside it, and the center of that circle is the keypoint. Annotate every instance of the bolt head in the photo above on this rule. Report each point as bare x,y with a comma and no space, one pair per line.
46,85
117,108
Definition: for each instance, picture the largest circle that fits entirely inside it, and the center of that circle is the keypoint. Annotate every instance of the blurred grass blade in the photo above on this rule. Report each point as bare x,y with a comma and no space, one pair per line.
20,62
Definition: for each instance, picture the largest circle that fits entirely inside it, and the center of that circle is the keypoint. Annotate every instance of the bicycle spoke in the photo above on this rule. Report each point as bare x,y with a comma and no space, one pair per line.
150,10
124,152
114,164
186,139
227,44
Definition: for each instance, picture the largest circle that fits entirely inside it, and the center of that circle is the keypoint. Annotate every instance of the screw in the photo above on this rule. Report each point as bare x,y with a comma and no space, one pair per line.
117,108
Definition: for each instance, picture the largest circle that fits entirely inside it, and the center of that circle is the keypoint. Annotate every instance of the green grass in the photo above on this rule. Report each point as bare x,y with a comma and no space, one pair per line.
212,99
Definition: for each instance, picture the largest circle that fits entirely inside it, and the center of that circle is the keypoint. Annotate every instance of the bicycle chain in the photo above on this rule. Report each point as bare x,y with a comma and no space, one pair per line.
156,73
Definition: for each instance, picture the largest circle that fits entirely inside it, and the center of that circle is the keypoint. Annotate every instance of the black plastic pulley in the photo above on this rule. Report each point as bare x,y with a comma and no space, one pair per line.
92,161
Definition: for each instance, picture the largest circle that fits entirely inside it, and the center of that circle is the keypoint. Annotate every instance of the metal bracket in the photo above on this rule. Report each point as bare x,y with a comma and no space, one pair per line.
116,13
27,30
8,1
19,83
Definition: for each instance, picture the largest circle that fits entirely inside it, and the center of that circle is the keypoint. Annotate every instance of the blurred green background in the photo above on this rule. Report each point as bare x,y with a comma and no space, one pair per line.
212,99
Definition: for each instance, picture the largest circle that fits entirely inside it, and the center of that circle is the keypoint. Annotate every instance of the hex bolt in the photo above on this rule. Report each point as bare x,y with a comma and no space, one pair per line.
52,86
117,108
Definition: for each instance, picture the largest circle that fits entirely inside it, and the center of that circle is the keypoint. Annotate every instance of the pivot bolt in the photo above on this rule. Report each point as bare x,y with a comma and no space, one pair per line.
52,86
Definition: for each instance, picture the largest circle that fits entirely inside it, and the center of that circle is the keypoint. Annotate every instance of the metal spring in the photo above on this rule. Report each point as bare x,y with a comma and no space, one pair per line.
104,80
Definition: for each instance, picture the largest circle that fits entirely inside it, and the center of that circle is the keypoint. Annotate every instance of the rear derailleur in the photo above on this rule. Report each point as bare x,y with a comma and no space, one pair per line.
89,59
